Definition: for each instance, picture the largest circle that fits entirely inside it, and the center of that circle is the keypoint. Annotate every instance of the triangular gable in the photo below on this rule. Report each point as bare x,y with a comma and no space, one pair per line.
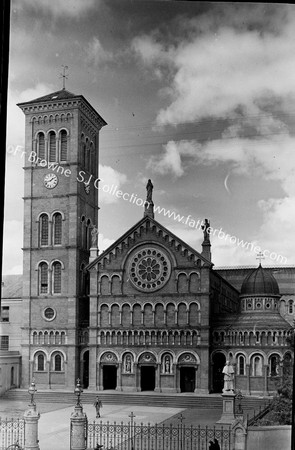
148,223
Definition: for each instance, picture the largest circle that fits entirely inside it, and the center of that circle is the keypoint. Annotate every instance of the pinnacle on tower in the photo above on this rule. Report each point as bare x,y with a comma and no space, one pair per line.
149,204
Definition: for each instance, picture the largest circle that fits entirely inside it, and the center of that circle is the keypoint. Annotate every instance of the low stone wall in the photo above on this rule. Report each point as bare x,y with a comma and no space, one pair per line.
269,437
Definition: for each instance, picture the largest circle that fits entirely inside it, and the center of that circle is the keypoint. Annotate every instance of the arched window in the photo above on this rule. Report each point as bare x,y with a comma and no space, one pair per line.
40,362
43,226
63,145
57,229
43,278
274,365
88,234
57,360
56,278
256,366
52,146
92,158
241,365
41,146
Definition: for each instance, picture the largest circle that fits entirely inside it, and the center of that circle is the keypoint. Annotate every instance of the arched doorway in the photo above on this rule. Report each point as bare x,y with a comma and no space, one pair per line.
187,365
217,375
147,378
187,379
147,364
109,365
85,370
109,376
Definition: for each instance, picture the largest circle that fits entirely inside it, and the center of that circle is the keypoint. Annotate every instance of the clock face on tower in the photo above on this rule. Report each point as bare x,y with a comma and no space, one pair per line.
50,180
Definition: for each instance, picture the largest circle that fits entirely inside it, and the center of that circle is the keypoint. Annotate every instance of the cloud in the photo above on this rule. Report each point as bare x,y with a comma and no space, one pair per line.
96,54
170,161
15,116
63,8
104,242
109,180
12,244
217,69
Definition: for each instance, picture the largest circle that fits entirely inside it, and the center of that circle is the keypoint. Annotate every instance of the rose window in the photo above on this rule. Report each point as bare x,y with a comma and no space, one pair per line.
149,269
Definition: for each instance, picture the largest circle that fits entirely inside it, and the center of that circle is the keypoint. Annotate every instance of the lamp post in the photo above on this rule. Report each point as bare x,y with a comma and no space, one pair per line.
78,391
78,435
31,418
32,391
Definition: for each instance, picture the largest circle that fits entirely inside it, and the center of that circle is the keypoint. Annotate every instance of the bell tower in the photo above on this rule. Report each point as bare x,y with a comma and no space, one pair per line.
60,211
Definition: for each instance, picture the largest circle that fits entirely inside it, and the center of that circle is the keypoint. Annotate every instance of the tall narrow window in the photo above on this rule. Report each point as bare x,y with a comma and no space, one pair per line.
44,229
88,234
57,229
52,147
274,365
241,365
63,145
56,273
256,366
92,159
40,362
43,278
4,342
41,146
57,363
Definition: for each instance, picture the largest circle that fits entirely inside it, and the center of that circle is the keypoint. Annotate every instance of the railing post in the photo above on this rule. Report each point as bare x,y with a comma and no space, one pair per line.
78,431
31,418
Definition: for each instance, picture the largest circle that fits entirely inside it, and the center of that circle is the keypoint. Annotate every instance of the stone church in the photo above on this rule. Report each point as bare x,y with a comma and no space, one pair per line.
150,313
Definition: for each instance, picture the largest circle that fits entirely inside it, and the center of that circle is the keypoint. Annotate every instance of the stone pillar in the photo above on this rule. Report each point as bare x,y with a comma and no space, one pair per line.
196,379
119,377
158,379
265,387
228,410
31,418
78,423
136,372
248,379
175,376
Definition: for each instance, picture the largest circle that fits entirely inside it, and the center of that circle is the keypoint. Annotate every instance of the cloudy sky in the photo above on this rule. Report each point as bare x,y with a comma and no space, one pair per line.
198,96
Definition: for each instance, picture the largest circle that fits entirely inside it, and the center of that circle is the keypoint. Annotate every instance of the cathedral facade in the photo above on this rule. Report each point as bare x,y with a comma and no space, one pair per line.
150,313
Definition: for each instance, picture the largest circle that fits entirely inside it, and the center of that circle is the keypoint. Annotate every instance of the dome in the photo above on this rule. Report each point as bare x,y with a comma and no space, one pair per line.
260,282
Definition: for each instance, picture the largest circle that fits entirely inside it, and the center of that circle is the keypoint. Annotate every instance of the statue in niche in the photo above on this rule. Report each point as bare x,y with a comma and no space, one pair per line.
167,364
94,237
228,372
128,364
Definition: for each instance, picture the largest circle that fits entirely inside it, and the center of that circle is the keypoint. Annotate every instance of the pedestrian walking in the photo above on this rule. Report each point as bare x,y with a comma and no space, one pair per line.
98,405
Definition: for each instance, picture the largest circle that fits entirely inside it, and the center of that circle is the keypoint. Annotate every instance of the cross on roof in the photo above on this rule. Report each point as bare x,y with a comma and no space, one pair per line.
260,256
64,76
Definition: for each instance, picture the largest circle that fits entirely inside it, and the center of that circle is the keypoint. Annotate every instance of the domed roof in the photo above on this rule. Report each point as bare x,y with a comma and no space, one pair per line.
260,282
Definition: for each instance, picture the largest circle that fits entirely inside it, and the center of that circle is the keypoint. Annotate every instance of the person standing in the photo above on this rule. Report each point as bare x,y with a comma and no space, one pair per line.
98,405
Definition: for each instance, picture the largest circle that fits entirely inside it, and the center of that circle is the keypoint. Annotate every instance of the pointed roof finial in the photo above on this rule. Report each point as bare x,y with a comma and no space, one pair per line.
260,256
64,76
149,204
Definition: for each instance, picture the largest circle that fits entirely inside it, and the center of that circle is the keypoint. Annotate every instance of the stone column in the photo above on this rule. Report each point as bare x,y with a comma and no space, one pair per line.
136,373
196,379
119,377
175,376
158,375
248,379
265,387
31,418
78,423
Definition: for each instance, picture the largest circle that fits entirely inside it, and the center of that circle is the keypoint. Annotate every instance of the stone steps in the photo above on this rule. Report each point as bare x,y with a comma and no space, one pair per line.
135,398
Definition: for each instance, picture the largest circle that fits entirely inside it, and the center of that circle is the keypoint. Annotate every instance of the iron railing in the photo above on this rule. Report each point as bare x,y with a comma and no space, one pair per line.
133,436
12,433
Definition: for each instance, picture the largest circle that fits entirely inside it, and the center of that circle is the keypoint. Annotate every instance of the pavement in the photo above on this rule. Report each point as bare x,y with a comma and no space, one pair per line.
54,423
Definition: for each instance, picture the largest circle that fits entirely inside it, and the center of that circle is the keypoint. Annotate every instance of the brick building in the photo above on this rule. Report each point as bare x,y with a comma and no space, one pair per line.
150,312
